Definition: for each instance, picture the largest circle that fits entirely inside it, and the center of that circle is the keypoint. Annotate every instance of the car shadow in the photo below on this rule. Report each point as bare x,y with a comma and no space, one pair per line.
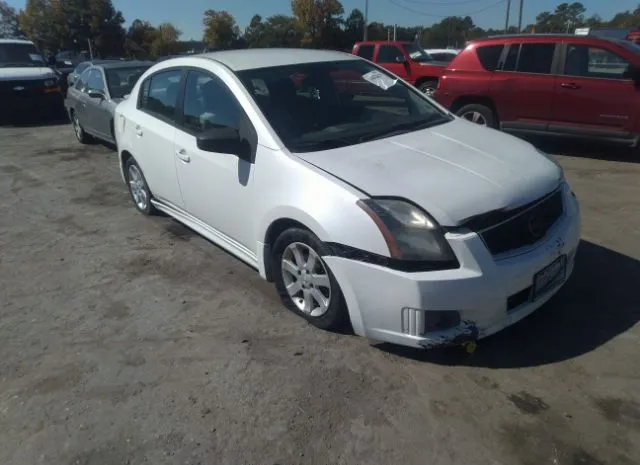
599,302
585,149
31,122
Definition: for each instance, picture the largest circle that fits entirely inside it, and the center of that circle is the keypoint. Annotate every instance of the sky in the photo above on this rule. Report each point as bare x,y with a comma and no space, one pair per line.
187,14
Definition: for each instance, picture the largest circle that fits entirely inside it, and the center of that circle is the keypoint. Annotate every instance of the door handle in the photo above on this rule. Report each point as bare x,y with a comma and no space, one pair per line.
182,155
138,131
570,85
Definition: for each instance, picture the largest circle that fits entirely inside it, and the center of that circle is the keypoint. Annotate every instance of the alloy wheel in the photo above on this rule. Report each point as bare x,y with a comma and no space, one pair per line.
475,117
138,187
306,279
76,127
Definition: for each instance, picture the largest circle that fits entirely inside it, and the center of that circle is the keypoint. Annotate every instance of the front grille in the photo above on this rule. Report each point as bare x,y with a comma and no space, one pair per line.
526,227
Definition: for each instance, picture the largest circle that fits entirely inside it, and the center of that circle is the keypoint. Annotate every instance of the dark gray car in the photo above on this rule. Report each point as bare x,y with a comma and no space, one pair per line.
92,99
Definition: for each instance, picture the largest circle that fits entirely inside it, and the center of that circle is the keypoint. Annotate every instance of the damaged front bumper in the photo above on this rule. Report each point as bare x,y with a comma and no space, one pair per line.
488,293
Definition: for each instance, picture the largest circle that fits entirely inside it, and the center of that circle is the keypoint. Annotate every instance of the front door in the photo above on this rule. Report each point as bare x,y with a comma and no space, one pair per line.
392,58
98,116
153,127
523,86
218,188
593,95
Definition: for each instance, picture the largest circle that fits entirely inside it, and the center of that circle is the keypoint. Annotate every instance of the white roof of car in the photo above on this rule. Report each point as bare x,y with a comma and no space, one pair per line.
239,60
15,41
442,50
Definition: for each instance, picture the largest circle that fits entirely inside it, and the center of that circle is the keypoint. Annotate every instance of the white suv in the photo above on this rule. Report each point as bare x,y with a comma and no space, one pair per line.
361,198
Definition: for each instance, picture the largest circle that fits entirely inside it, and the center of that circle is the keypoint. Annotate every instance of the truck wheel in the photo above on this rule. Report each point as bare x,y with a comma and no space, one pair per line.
428,87
479,114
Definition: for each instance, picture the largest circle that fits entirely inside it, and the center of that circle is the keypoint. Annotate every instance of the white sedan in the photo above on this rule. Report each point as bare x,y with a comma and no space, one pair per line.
359,197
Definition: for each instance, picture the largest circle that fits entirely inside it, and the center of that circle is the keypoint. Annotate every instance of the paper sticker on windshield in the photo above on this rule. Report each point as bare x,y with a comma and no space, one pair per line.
35,57
378,79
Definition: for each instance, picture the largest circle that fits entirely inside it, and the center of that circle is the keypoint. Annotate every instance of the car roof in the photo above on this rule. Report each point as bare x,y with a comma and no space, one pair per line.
538,37
15,41
239,60
119,64
374,42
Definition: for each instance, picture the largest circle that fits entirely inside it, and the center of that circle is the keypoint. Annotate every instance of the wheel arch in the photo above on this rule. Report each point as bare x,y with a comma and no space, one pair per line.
124,156
421,80
274,225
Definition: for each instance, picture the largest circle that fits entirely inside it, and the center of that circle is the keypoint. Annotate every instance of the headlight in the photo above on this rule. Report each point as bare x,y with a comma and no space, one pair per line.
411,234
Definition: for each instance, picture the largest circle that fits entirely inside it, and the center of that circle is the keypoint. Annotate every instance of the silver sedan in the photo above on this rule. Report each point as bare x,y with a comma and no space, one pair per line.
92,100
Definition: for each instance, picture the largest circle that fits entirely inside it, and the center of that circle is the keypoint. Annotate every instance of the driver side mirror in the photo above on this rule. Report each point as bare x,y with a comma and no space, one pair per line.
51,61
95,94
223,139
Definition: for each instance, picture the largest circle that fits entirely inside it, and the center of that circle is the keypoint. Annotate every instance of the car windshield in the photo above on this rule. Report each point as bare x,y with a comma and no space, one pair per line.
81,67
319,106
20,55
121,80
416,53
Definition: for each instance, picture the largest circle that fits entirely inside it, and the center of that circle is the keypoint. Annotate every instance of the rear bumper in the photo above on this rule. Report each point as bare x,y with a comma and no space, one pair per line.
490,294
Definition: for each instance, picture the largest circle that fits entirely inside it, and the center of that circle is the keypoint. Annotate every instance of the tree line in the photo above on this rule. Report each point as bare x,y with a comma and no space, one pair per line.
73,24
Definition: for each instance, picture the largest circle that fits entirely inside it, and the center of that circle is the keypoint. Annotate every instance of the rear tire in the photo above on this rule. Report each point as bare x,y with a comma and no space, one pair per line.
428,87
304,281
479,114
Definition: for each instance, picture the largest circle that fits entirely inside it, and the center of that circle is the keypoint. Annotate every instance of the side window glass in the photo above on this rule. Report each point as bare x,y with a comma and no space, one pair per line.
511,61
594,62
389,54
82,80
536,58
159,93
366,52
488,56
209,103
95,80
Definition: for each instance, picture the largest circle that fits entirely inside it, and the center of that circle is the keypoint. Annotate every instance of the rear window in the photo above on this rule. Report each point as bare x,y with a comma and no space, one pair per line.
489,55
366,52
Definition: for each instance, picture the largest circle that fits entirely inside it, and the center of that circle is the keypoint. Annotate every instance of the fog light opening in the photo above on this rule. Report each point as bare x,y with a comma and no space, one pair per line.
440,320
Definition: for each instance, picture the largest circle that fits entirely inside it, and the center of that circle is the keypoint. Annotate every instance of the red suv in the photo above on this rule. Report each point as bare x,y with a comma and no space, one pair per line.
548,84
407,60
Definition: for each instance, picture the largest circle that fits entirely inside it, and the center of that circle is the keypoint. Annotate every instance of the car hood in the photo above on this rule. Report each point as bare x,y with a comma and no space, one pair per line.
454,171
26,73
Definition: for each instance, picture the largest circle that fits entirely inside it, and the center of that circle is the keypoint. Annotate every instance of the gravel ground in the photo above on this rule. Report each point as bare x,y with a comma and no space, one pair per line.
129,340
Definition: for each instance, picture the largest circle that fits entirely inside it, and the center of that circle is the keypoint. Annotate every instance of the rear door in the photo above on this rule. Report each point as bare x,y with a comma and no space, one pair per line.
593,94
524,85
390,57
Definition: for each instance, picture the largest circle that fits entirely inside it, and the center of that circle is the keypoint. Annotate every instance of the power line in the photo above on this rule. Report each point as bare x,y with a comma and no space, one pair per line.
411,10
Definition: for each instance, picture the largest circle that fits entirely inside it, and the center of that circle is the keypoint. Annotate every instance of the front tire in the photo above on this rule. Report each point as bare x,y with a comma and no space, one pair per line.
138,188
79,131
305,282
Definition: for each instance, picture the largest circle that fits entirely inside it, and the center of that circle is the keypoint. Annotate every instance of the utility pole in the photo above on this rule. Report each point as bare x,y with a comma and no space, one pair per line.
506,20
395,31
366,14
520,16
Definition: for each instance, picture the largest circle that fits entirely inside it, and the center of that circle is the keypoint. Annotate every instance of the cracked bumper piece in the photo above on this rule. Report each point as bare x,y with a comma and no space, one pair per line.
488,293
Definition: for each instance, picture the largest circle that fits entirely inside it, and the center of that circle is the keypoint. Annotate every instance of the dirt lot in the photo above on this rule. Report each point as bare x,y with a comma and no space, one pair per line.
128,340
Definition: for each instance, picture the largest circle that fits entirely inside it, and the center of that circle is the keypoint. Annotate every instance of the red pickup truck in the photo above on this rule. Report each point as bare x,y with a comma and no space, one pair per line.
407,60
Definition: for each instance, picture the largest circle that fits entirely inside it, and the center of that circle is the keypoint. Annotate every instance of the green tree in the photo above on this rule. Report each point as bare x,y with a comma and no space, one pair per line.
320,20
9,27
220,30
35,22
139,38
354,26
165,40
